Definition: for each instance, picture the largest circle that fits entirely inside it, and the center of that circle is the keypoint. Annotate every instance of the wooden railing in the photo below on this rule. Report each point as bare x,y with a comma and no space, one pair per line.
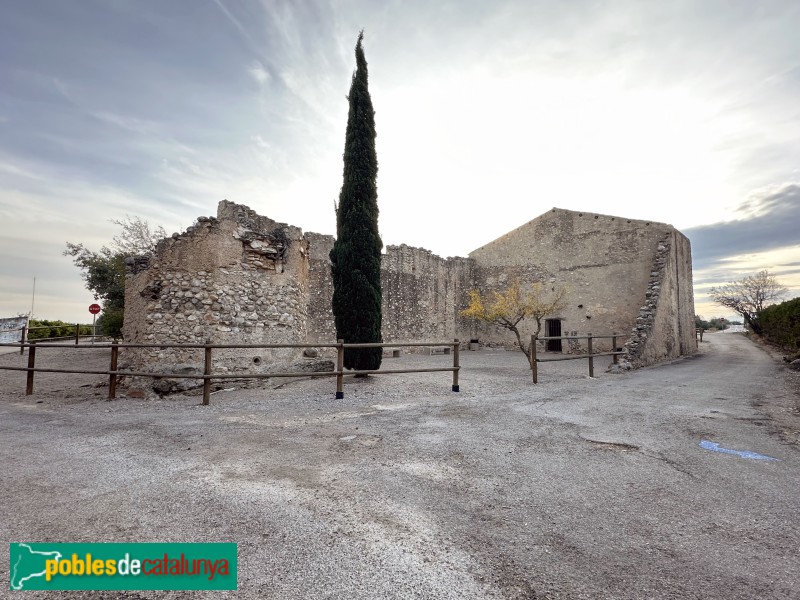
25,333
114,373
590,356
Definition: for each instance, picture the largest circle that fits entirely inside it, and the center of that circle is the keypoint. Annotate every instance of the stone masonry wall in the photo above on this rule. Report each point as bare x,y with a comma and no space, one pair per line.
241,278
603,261
665,325
235,279
320,289
423,294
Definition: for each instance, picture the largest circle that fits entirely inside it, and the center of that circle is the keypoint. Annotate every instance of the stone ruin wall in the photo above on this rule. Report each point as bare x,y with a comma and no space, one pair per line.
320,289
423,294
238,278
243,278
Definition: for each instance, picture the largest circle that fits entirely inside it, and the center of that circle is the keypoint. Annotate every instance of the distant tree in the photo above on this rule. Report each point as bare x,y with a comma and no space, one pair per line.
507,309
356,254
718,323
713,323
104,270
749,296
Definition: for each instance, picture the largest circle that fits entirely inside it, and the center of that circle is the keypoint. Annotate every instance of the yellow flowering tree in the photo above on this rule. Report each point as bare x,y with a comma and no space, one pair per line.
507,309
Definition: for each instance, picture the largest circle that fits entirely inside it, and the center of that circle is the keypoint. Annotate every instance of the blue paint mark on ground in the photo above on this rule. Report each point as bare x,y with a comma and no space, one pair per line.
706,445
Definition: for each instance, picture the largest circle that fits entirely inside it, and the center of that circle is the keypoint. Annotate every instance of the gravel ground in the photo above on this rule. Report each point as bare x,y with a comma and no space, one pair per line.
574,488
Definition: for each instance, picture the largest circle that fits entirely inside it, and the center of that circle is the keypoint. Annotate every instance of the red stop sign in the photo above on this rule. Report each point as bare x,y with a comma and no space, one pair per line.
94,308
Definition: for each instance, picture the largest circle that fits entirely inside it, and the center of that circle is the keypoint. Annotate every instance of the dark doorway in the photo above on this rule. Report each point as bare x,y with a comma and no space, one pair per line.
553,328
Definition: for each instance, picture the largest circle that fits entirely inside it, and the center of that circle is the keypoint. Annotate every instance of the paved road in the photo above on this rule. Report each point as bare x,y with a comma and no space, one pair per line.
582,489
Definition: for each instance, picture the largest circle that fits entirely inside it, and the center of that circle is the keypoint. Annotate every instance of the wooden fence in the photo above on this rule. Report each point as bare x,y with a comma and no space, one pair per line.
114,373
590,356
24,334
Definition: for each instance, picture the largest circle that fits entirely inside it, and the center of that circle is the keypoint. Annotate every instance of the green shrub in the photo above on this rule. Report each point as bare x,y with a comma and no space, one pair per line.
110,322
780,324
44,329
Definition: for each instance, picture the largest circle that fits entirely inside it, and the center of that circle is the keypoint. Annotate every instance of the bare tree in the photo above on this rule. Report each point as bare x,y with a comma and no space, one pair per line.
104,270
136,237
749,295
509,308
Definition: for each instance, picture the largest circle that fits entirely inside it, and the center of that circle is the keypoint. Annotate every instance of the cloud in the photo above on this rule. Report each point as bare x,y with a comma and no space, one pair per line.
259,73
765,236
770,223
488,113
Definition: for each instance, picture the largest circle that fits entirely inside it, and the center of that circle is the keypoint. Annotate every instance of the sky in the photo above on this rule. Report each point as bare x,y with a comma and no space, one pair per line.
488,114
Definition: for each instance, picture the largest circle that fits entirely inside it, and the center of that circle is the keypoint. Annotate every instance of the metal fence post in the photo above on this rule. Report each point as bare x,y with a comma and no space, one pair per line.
534,365
112,378
339,369
615,358
206,373
591,357
456,365
31,366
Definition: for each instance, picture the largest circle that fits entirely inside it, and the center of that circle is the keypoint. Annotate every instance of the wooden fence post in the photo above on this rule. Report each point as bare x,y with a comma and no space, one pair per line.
77,332
339,369
591,357
22,340
112,378
615,358
534,364
206,373
31,365
456,365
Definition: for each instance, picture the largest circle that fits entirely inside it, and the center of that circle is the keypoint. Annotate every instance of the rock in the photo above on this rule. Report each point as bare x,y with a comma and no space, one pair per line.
313,365
135,264
162,386
795,364
169,385
311,353
621,367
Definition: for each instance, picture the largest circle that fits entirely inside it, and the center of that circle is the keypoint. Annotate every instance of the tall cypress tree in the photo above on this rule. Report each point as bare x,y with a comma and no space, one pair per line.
356,254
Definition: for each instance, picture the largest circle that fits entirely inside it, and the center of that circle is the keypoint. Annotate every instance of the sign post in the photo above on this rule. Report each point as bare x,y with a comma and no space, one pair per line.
94,309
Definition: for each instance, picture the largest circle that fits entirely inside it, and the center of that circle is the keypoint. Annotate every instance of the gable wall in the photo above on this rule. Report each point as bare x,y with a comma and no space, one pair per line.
604,262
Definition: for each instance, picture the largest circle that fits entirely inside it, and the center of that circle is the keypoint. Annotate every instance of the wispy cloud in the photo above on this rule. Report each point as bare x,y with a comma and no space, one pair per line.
259,73
488,113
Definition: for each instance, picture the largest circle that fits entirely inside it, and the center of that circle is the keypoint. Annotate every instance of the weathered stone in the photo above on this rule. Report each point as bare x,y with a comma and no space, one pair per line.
311,366
621,367
625,276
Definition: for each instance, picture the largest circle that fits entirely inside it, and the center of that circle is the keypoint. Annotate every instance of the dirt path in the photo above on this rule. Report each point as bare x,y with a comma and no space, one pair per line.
576,488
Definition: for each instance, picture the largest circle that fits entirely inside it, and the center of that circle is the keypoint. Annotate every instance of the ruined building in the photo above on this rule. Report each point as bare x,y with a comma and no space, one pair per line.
242,278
